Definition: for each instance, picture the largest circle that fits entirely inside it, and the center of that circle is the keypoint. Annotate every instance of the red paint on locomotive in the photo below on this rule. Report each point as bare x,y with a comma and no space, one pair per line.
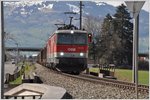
71,48
67,50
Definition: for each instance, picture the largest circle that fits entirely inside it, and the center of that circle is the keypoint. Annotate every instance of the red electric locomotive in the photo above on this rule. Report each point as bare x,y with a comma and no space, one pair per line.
67,50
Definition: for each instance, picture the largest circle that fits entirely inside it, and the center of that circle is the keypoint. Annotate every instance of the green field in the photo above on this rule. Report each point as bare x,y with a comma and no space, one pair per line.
17,81
126,75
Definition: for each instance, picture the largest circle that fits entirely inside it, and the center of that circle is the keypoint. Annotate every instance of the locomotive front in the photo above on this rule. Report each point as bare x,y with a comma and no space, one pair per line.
72,50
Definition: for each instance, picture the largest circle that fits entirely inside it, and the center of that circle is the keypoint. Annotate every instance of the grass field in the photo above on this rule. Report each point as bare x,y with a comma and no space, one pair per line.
126,75
17,81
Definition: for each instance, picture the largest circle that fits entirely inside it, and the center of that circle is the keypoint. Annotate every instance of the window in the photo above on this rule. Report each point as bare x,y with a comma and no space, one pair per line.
76,38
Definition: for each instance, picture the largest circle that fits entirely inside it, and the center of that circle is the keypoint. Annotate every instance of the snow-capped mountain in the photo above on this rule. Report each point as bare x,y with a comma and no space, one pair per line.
33,22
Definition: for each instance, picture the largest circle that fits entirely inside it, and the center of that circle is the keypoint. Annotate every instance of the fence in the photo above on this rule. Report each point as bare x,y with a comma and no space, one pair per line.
23,96
10,78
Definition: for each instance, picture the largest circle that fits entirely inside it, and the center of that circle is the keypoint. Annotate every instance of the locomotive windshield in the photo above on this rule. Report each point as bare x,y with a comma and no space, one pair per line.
76,38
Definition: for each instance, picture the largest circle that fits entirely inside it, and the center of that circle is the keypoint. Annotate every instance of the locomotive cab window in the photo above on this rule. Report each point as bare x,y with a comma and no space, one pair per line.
76,38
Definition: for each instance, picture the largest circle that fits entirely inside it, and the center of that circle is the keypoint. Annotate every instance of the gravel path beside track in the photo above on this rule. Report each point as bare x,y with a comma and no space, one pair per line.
81,89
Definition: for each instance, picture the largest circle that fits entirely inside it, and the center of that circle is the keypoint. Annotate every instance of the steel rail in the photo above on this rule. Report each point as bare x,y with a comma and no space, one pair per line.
105,81
110,82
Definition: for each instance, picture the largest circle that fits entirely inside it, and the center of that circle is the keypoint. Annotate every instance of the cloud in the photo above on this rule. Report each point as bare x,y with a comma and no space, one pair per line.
117,3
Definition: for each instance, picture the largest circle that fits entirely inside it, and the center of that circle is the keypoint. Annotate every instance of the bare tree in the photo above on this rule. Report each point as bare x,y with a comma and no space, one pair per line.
93,25
8,36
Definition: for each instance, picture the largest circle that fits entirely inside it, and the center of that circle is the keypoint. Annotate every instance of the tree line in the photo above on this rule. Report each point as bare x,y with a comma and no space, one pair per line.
112,37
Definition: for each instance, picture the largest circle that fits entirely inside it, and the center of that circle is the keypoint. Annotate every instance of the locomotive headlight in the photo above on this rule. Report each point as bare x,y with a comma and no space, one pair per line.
61,53
81,54
72,32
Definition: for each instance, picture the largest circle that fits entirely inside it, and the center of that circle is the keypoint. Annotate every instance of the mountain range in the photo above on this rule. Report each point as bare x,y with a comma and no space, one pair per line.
31,23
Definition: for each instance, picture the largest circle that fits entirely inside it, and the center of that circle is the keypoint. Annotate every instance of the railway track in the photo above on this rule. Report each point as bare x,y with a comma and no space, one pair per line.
104,81
84,88
110,82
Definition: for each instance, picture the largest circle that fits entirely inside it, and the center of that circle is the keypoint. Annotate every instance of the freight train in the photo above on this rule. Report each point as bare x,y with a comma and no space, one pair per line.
66,50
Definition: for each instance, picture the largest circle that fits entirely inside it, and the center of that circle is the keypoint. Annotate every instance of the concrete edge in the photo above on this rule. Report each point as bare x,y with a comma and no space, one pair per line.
49,92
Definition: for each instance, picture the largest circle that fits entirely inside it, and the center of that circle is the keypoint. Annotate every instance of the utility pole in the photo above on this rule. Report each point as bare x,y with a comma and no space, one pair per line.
17,58
94,55
136,35
2,52
81,14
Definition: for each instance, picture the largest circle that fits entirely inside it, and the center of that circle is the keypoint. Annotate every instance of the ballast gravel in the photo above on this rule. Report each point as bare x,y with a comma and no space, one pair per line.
81,89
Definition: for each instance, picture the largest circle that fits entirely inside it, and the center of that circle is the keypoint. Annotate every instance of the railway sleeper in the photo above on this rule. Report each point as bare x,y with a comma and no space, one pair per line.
143,90
119,84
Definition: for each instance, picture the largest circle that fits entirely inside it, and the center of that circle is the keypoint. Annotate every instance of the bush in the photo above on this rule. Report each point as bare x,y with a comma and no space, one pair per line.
143,65
124,67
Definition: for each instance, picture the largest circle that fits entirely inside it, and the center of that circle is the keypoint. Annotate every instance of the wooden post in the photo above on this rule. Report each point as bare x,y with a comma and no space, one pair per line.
87,71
